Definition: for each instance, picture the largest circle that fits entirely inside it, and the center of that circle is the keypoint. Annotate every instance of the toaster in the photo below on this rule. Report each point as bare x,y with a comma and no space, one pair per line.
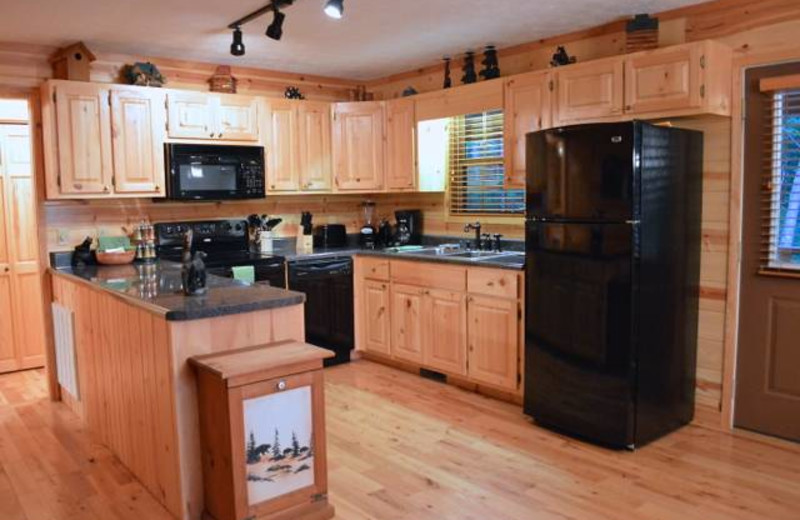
330,235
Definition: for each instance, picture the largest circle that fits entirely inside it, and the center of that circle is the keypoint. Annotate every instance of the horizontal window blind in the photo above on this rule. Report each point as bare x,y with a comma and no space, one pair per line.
780,201
476,168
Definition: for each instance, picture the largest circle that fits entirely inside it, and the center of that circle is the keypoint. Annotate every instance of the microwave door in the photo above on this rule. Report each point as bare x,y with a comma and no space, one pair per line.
207,180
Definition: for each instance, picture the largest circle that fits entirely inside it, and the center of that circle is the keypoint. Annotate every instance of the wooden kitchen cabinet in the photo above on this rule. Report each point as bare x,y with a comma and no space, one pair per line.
225,117
358,146
690,77
590,91
137,136
492,325
282,149
103,141
407,322
376,317
83,128
316,169
528,108
445,331
401,170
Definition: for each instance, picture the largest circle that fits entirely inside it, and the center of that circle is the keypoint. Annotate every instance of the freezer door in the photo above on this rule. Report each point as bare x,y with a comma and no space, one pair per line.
580,361
583,172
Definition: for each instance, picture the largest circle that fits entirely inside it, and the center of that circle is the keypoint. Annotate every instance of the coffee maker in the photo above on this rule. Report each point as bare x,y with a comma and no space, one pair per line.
409,227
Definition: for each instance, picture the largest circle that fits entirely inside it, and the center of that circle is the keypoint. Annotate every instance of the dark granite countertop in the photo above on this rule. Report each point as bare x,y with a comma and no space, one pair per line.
157,287
515,261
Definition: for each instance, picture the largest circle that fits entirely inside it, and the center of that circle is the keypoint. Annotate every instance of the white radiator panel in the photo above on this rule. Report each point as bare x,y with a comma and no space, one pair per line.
66,365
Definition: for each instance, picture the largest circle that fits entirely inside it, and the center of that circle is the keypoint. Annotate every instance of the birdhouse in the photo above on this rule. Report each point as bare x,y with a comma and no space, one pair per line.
72,62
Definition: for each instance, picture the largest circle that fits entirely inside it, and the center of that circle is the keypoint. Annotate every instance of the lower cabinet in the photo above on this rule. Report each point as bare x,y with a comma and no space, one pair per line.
469,326
493,340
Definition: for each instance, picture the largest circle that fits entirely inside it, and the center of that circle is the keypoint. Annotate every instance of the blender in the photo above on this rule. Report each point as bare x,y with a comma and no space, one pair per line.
367,234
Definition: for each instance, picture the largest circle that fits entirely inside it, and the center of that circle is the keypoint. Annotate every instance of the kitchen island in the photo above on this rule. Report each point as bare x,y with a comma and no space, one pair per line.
124,335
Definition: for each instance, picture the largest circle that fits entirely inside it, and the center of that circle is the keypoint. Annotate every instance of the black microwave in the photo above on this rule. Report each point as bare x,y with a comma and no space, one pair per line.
213,172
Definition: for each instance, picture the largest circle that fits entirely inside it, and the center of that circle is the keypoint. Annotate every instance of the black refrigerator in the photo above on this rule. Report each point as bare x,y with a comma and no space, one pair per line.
612,228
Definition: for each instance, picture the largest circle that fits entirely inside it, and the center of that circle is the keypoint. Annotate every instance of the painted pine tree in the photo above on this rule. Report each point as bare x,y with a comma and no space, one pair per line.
276,447
252,452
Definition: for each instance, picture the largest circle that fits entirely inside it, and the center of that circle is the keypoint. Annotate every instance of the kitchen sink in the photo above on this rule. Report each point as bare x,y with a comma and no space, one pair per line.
517,259
477,254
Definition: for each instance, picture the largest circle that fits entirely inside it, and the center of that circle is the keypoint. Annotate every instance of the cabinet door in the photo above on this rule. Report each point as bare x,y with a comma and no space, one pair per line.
664,79
527,109
191,116
358,147
83,127
407,323
589,91
375,318
138,120
8,355
316,170
282,151
237,118
401,171
493,341
445,346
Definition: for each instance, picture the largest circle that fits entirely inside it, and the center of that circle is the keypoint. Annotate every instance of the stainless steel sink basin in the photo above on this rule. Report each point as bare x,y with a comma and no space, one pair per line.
509,259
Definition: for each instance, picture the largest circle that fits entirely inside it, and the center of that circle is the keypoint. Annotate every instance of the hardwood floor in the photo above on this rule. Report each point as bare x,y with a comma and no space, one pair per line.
401,447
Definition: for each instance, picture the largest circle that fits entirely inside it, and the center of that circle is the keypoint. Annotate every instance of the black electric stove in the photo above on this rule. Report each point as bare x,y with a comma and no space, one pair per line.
227,245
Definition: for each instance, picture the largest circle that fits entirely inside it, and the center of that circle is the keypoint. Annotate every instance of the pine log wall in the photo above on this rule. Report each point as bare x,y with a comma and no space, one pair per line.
750,28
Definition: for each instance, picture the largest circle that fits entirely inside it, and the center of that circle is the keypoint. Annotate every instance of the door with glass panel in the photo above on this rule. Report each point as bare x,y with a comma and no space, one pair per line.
768,364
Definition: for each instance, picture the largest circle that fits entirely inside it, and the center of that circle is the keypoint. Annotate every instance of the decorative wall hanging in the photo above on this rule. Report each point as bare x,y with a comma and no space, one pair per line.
561,58
144,75
293,93
469,69
491,66
641,33
223,81
448,82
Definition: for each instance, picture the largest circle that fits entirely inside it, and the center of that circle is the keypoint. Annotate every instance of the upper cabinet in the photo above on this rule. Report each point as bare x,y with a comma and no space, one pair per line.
102,140
401,171
219,117
299,146
527,109
316,169
589,91
138,124
358,146
691,77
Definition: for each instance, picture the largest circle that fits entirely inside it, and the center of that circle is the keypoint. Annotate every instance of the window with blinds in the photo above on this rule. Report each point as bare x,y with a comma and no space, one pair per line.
476,168
781,184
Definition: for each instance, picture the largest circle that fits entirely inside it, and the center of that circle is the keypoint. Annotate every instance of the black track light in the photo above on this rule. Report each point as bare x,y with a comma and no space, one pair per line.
335,8
275,29
237,47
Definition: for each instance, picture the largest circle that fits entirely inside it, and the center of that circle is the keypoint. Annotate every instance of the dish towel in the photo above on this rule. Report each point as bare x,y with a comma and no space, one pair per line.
245,273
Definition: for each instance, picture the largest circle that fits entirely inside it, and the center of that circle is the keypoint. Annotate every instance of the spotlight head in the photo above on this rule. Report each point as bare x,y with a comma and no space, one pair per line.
334,8
237,47
275,29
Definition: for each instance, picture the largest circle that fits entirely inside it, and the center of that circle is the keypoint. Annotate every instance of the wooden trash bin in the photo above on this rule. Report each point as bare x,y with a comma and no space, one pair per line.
262,428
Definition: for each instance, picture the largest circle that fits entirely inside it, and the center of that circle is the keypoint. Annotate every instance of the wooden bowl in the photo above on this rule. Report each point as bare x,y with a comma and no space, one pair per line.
116,258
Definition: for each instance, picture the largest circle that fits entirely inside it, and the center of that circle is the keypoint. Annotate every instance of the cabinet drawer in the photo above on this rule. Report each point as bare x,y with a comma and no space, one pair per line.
501,283
430,275
375,268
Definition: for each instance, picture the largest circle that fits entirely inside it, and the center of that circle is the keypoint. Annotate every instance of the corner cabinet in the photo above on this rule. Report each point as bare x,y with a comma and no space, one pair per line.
102,141
358,146
527,107
401,167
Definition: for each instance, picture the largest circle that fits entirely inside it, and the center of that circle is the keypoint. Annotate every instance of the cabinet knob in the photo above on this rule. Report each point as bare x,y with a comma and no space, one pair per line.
358,179
105,189
6,269
219,135
158,188
211,135
281,385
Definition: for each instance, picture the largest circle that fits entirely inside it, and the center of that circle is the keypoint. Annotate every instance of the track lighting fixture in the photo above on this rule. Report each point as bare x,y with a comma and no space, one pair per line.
275,29
237,47
334,8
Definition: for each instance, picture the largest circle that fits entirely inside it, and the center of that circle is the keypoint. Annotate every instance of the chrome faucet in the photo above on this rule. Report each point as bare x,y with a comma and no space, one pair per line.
477,228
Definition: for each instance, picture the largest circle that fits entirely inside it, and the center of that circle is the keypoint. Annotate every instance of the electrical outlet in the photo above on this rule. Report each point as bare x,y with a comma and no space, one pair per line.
63,237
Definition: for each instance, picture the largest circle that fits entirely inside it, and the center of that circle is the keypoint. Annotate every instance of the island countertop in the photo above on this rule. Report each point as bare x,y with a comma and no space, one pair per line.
157,288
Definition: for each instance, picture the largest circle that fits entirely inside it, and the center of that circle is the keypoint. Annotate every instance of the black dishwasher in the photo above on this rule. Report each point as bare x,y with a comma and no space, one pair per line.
328,286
